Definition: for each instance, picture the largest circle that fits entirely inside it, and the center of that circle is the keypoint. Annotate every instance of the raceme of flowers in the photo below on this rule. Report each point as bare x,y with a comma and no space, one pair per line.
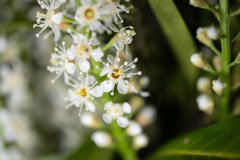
87,70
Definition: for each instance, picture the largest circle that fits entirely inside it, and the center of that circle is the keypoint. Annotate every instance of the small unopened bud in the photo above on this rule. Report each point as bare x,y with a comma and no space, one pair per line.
218,86
205,103
89,120
204,84
198,60
140,141
146,116
217,63
238,58
212,32
198,3
134,129
102,139
202,36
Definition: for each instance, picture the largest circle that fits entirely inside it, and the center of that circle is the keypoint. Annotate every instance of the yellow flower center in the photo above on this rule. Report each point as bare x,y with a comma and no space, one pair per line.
117,73
89,13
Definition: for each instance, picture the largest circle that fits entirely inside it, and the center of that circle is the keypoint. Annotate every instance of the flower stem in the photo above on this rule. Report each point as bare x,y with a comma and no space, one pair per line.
212,46
108,45
226,50
122,145
235,13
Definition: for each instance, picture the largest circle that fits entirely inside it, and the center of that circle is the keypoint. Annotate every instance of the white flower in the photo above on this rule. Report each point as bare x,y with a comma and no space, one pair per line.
198,60
117,74
115,9
212,32
90,14
51,19
134,128
218,86
203,84
116,111
3,44
83,93
123,37
102,139
139,84
83,50
140,141
88,120
205,103
62,63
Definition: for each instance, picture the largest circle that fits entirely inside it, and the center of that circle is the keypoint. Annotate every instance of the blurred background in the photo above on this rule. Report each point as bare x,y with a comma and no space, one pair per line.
32,109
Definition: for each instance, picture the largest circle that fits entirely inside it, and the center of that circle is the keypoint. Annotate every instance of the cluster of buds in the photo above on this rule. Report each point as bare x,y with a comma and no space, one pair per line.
207,34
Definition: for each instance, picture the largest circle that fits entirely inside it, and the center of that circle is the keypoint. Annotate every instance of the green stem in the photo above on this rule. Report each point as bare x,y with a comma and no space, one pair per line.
226,50
235,13
108,45
212,46
232,64
77,2
122,146
69,20
236,37
211,8
235,87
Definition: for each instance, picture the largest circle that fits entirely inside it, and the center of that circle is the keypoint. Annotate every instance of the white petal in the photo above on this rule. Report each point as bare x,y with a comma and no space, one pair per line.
79,38
94,25
144,94
126,107
113,27
70,68
122,88
107,105
104,71
128,51
90,106
111,59
91,79
71,53
86,2
57,18
122,122
84,65
96,92
107,118
94,42
106,86
106,9
119,44
97,54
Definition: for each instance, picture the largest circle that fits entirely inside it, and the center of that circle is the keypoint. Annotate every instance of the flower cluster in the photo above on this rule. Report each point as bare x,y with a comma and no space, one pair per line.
84,65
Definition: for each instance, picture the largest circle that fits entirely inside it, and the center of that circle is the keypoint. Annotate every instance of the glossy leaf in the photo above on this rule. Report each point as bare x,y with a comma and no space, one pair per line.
89,151
177,34
219,141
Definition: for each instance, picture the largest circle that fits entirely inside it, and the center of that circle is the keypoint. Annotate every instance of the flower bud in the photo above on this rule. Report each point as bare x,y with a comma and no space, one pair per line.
203,84
205,103
198,60
134,129
212,32
217,63
198,3
102,139
88,120
218,86
238,58
146,116
140,141
202,36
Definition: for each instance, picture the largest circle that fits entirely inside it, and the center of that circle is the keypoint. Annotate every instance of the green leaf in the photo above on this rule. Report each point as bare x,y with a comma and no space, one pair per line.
89,151
220,141
177,35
